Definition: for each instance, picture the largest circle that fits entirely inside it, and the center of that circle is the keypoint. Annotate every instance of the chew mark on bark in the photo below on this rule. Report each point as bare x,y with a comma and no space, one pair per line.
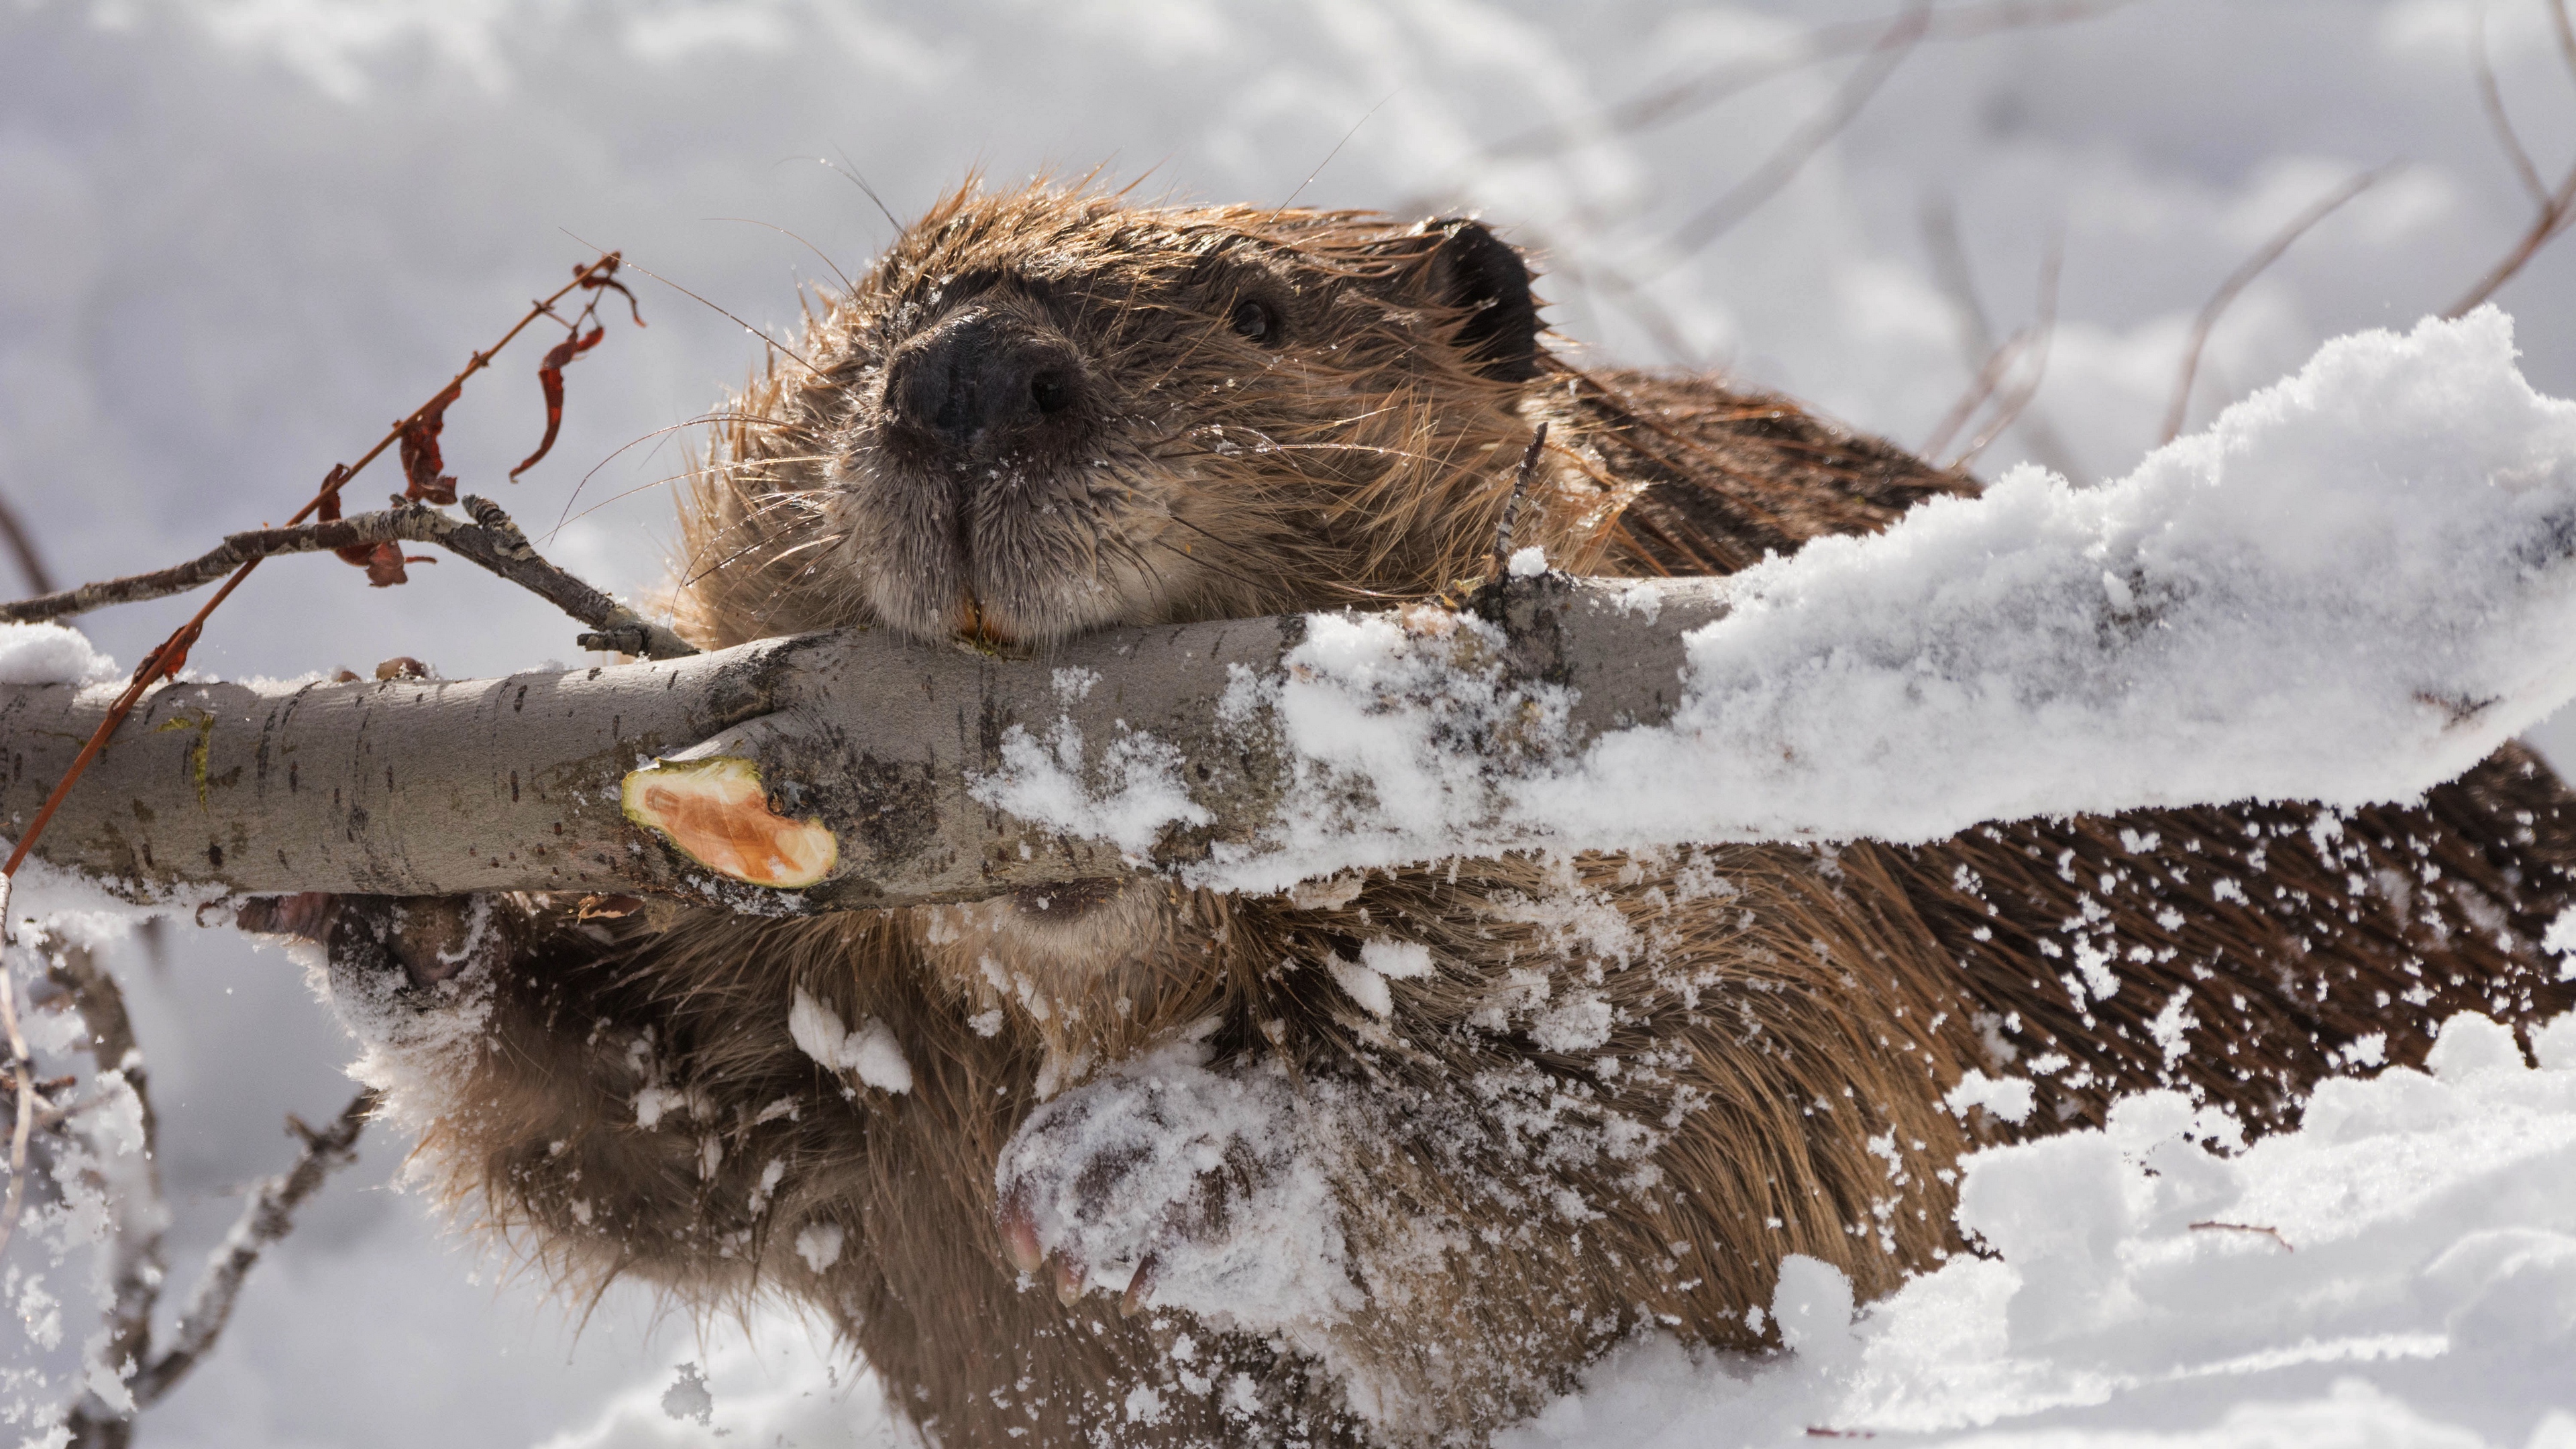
715,812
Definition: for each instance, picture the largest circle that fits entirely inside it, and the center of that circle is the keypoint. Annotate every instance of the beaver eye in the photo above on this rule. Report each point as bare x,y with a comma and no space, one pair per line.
1257,321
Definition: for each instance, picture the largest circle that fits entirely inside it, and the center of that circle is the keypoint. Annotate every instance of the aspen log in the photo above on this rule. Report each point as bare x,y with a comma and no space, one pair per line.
867,750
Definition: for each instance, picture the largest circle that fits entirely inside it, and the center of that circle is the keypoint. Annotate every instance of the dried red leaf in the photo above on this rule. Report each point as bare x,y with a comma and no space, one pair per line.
421,463
605,279
327,510
166,661
550,378
385,566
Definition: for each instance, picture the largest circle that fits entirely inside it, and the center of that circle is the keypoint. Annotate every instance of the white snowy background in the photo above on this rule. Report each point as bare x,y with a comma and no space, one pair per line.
238,238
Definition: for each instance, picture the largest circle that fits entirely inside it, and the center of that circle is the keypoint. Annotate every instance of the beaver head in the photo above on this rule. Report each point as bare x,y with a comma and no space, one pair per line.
1046,411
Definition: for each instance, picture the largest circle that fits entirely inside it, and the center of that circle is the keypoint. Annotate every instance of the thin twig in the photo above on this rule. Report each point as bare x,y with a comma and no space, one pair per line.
22,547
2492,98
491,541
2243,276
269,1216
1894,44
2556,208
1981,386
2213,1225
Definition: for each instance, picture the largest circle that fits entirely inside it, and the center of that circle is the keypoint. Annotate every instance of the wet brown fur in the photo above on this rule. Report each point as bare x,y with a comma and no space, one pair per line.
1784,1020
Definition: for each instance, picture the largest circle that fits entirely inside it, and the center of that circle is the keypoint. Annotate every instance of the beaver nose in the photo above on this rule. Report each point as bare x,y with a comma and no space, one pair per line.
980,379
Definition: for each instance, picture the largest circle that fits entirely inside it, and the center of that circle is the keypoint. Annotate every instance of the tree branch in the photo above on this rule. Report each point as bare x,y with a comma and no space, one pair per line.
857,769
491,541
419,787
269,1217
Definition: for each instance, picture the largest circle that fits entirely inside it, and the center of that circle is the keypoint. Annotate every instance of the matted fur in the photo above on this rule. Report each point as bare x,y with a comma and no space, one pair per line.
1628,1085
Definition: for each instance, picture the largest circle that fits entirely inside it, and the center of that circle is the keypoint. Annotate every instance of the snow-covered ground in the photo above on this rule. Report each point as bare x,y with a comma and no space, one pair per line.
236,237
2400,1271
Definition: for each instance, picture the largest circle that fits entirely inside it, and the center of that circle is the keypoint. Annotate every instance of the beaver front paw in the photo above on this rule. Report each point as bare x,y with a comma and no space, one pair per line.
1180,1187
389,950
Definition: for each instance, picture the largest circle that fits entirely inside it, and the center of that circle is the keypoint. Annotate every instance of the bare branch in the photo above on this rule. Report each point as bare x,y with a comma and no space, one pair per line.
1826,42
491,541
2042,331
2554,214
859,769
269,1217
2238,280
2492,98
1894,44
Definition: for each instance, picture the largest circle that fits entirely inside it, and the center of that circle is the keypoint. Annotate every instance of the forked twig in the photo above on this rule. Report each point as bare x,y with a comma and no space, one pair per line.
2243,276
492,541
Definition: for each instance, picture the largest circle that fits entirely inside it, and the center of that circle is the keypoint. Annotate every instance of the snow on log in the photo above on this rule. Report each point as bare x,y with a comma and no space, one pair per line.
2355,584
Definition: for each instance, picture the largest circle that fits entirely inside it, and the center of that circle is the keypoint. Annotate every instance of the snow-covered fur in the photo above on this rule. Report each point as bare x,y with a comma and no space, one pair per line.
1384,1159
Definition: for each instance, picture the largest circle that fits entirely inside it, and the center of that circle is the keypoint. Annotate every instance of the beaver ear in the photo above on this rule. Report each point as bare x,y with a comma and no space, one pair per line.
1478,272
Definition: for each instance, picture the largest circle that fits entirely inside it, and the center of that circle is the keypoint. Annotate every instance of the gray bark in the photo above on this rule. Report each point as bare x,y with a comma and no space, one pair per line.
421,787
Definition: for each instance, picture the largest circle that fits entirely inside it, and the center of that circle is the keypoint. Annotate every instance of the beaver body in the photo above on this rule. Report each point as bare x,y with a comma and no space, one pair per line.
1385,1159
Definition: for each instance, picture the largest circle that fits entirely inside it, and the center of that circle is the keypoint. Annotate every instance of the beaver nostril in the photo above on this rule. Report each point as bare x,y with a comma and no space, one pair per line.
1051,390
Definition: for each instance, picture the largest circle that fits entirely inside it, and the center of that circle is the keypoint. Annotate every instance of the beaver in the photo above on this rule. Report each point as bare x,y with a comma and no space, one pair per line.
1387,1158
